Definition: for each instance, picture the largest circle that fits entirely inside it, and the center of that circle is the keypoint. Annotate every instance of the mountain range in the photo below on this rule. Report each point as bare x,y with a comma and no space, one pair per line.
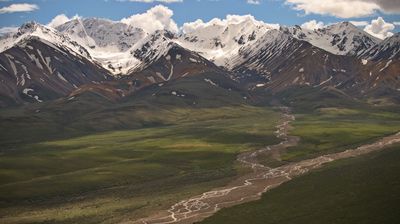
40,63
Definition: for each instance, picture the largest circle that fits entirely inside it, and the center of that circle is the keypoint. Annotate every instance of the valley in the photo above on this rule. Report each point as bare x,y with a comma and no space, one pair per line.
364,186
233,120
208,148
125,170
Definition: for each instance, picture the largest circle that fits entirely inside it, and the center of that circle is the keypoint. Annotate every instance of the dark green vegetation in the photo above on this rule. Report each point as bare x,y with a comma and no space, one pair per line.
358,190
91,112
94,159
108,176
333,129
329,121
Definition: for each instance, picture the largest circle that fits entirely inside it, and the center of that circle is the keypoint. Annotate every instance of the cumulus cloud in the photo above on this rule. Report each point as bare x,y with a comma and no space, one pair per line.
379,28
151,1
23,7
254,2
58,20
229,20
312,25
338,8
157,18
345,8
389,6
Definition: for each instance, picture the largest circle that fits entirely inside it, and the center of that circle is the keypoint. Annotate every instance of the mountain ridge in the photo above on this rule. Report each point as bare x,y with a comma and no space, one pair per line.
119,40
254,54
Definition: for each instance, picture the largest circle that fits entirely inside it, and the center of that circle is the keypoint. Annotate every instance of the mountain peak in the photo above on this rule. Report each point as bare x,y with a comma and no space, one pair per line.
345,24
30,27
345,27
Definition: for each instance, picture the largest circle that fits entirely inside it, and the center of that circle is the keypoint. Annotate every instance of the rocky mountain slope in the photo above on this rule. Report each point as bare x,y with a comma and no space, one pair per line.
40,63
220,41
35,69
279,60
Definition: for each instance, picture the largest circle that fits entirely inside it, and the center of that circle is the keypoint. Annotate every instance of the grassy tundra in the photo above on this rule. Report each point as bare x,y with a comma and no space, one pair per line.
106,177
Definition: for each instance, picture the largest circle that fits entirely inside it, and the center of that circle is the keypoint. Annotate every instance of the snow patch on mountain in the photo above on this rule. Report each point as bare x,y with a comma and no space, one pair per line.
29,92
388,49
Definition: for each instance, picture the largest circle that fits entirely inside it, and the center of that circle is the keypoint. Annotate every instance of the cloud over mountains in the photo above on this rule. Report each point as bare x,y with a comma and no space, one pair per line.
345,8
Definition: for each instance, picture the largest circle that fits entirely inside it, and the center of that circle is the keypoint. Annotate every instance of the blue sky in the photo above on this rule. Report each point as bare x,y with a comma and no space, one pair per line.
286,12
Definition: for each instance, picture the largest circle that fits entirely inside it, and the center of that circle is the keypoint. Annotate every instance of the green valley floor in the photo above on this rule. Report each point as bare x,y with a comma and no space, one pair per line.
63,175
357,190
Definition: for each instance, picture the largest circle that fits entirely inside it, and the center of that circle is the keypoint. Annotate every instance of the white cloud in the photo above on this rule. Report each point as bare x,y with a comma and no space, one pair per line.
253,2
151,1
379,28
396,23
58,20
8,29
359,23
388,6
157,18
23,7
192,26
338,8
312,25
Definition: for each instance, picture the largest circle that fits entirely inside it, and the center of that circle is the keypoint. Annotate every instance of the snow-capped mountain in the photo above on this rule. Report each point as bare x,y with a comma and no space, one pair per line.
118,47
341,39
339,56
279,60
40,63
110,43
46,34
151,48
220,40
34,60
102,33
261,57
123,49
